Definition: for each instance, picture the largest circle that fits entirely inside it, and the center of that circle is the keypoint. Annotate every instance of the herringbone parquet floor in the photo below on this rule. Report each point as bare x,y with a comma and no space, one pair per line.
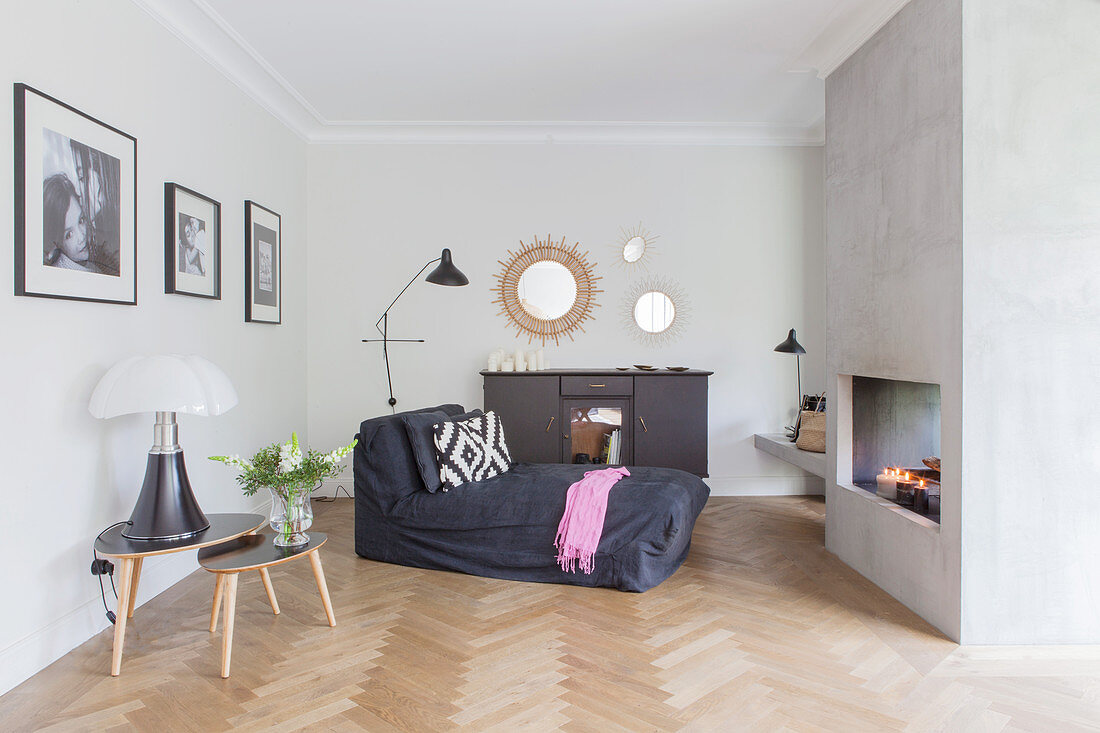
761,630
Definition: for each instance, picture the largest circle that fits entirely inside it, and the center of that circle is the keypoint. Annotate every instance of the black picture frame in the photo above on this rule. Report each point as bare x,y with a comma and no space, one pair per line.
263,268
181,202
62,153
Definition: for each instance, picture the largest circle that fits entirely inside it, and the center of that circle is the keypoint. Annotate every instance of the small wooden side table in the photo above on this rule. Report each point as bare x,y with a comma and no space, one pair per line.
256,552
131,553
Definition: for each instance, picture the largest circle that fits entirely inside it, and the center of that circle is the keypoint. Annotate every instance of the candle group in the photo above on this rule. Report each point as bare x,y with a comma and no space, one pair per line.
520,361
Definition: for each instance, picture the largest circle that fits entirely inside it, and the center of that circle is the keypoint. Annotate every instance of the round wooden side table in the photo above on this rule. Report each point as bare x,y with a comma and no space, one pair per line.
256,552
131,553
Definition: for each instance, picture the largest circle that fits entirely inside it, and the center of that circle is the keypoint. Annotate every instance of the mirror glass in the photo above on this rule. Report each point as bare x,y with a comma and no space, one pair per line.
654,312
634,249
547,290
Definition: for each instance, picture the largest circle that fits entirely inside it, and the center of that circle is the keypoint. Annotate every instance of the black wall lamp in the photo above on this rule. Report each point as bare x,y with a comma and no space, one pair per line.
444,274
791,346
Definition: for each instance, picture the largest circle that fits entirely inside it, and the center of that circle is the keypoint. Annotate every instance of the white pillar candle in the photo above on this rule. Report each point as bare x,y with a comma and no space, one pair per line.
532,362
887,485
508,365
540,360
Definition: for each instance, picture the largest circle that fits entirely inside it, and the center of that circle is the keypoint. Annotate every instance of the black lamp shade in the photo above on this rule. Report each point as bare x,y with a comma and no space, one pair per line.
791,345
446,273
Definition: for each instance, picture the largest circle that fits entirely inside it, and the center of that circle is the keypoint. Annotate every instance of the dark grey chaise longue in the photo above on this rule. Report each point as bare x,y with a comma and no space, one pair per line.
504,527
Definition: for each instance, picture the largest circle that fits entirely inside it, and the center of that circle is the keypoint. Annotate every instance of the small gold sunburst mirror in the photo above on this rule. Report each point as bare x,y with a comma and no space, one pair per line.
635,247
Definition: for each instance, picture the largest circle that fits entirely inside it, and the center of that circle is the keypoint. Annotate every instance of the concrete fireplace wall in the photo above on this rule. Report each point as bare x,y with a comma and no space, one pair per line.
1031,322
894,282
963,245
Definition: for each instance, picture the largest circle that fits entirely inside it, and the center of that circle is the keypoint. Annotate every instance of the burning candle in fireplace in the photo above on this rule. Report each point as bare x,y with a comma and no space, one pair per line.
906,489
920,498
887,484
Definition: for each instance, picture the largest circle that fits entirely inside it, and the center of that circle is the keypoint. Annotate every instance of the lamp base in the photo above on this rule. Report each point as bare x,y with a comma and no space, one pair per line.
166,507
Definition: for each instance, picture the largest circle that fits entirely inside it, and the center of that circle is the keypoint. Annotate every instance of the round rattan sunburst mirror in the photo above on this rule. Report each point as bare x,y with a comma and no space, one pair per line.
635,248
547,290
655,310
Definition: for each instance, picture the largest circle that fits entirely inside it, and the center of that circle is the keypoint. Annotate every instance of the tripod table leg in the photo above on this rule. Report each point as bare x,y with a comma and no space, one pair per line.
126,577
319,575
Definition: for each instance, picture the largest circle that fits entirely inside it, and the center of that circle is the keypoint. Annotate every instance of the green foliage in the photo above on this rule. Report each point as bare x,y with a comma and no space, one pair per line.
285,469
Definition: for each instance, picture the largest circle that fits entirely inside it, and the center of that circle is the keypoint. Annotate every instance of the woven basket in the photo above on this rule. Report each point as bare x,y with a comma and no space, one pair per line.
811,432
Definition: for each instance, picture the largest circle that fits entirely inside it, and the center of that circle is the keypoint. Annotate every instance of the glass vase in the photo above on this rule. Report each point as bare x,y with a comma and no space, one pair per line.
291,517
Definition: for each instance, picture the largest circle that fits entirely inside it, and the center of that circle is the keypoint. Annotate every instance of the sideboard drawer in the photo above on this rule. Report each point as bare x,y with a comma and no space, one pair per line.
587,386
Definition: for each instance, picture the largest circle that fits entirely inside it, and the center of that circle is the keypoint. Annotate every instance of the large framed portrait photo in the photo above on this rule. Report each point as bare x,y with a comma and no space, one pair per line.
192,243
76,203
263,300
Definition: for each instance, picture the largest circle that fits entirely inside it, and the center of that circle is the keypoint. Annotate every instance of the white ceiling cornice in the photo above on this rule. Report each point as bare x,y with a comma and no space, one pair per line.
568,133
202,29
843,35
207,34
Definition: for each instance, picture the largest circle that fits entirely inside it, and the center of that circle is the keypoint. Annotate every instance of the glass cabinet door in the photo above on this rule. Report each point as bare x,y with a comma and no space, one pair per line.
596,431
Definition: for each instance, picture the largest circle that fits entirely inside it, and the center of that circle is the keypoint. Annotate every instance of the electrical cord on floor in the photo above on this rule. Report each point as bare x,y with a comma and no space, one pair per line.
105,567
335,495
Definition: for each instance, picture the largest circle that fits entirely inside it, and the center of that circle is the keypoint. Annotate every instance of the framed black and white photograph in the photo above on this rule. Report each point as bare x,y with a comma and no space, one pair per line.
192,243
75,203
263,301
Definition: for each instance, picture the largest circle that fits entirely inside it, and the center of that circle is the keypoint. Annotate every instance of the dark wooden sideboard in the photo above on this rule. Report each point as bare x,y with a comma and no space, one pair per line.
552,416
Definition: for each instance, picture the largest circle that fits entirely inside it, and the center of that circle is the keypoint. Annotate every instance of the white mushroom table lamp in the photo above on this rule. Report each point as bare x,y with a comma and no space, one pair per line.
164,384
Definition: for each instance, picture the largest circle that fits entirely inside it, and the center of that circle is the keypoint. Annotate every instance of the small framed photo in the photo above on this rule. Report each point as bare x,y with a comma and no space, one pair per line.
75,203
192,243
263,299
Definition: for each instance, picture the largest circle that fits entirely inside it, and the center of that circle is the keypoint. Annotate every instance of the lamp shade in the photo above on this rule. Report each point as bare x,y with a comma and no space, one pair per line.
445,273
790,345
163,383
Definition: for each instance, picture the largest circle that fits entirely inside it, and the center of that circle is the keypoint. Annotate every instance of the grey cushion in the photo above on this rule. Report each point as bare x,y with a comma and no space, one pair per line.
418,426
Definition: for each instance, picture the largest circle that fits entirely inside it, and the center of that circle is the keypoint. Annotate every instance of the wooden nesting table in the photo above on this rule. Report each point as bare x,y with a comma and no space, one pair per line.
131,553
256,552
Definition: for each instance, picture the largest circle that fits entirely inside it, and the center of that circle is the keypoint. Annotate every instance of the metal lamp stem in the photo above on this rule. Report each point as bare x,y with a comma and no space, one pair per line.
383,327
798,370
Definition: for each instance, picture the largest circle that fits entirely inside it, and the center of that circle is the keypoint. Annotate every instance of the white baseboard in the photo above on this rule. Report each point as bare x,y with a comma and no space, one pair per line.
330,487
45,645
765,485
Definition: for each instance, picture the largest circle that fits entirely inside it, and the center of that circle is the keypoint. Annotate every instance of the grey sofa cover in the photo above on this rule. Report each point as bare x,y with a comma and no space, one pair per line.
504,527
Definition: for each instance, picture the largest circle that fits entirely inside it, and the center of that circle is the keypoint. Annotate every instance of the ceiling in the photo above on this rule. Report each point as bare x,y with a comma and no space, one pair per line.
671,70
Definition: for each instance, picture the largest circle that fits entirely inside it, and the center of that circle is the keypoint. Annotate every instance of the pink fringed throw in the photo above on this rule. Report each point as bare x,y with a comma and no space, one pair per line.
582,523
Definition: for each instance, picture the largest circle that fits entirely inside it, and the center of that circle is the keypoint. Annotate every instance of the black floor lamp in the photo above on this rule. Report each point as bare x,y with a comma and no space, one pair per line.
791,346
444,274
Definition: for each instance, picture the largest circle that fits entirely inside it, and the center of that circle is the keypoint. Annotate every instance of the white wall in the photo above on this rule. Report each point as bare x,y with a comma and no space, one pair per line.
1032,311
740,229
894,261
67,475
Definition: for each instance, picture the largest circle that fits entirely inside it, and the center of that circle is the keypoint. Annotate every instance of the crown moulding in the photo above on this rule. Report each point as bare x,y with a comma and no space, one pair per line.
566,133
843,35
204,31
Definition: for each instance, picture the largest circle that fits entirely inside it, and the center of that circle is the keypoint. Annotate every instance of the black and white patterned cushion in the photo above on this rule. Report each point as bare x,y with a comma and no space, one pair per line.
471,450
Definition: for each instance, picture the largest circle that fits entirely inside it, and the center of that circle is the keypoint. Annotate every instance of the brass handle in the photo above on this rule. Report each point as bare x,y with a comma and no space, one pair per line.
548,425
644,428
597,385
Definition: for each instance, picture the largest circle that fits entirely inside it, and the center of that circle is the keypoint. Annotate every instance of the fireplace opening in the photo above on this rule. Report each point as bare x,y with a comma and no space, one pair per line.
896,442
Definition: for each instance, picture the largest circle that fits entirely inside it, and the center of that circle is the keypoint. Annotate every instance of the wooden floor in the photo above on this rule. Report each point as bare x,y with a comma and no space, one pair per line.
761,630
